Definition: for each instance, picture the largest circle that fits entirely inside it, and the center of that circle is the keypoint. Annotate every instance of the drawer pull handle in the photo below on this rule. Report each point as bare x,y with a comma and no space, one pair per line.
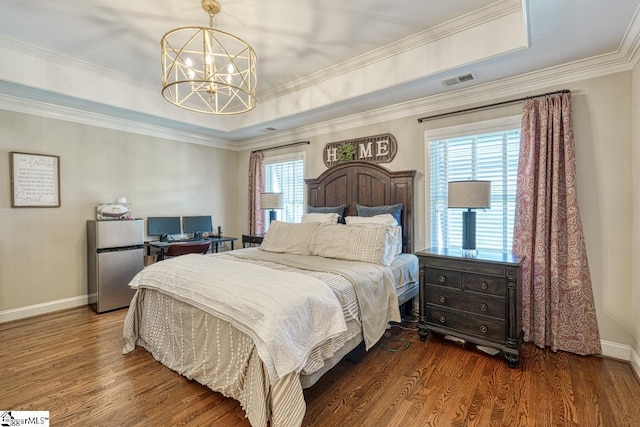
483,329
442,319
484,285
442,279
443,298
483,307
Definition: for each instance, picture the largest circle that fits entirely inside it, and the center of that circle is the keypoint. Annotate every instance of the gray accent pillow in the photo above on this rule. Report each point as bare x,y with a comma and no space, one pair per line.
329,209
395,210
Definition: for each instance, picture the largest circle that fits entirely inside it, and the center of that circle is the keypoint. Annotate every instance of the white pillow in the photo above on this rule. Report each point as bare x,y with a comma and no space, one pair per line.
395,230
289,237
383,219
325,218
377,245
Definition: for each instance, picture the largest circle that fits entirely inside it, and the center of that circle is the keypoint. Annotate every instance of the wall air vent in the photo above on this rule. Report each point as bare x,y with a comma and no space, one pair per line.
459,79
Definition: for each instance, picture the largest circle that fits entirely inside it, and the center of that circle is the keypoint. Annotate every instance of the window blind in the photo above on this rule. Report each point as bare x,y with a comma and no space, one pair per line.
285,174
491,156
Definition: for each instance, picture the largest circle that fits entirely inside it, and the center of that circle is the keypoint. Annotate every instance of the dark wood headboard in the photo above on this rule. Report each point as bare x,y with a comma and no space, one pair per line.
366,184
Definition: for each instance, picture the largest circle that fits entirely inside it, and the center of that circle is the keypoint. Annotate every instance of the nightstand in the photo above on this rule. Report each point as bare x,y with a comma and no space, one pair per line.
475,299
251,240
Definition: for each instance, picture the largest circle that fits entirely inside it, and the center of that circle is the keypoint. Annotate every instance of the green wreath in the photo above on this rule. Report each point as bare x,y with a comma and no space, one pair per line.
346,152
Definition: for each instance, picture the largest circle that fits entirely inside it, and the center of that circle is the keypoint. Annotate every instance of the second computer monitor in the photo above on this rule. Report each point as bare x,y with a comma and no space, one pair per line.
197,225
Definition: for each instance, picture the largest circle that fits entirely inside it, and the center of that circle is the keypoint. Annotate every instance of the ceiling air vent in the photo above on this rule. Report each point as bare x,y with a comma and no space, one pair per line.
459,79
270,129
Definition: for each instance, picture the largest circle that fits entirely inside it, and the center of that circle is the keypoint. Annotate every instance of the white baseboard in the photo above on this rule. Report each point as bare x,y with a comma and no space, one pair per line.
615,350
635,362
622,352
44,308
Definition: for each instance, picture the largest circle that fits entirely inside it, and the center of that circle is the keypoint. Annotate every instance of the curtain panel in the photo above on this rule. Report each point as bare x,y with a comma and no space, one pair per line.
256,186
558,308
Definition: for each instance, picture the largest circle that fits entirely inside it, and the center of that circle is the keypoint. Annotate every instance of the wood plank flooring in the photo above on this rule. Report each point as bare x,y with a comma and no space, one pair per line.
71,364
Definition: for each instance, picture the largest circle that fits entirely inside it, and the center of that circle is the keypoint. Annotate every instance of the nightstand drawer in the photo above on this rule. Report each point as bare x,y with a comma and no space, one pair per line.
460,322
485,284
487,306
440,277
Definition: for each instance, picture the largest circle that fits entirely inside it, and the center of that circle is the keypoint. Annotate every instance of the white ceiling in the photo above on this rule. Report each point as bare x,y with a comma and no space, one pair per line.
317,61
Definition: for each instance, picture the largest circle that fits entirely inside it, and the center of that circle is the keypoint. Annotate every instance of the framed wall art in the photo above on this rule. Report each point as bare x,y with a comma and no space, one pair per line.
35,180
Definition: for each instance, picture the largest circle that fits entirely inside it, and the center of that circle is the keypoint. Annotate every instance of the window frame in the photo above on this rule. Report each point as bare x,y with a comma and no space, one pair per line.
459,131
283,158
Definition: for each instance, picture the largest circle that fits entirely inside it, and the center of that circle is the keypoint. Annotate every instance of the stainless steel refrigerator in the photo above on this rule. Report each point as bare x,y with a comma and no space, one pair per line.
116,254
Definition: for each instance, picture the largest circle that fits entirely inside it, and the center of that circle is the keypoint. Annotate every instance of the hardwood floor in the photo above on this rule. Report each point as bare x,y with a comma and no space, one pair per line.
71,364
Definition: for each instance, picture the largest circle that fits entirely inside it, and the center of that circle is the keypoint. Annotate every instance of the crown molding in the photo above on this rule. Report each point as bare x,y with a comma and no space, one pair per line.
51,111
514,86
630,45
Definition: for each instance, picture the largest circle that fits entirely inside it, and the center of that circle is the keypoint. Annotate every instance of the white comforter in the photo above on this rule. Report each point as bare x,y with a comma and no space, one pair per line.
374,286
191,339
228,289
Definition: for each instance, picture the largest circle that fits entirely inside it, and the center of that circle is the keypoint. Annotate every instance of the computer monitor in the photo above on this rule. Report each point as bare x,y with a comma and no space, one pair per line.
197,225
163,226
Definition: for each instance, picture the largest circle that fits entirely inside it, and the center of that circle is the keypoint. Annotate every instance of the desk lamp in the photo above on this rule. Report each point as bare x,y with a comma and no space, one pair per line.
272,201
469,195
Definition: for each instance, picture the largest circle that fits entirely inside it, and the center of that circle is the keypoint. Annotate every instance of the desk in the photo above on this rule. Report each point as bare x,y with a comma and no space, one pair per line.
162,246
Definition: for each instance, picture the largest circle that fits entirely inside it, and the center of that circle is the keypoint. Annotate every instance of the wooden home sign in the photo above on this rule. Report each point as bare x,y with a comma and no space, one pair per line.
373,149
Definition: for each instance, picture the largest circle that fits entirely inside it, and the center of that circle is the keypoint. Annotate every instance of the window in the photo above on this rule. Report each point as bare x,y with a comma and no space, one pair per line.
485,151
285,174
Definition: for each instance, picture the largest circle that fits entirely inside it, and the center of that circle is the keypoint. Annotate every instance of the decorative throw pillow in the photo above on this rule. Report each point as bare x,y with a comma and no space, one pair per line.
284,237
374,244
395,210
329,209
325,218
395,237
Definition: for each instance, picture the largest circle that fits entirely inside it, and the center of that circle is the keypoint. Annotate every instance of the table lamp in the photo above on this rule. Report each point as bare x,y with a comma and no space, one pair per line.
470,194
272,201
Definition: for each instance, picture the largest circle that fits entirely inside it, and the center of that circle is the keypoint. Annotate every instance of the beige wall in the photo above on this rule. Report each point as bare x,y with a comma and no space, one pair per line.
603,136
635,249
43,251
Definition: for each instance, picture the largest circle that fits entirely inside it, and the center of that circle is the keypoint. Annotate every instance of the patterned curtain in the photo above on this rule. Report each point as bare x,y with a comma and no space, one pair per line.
256,186
557,297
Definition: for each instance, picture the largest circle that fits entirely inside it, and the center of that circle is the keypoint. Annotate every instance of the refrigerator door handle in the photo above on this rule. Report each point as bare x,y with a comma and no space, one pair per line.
122,248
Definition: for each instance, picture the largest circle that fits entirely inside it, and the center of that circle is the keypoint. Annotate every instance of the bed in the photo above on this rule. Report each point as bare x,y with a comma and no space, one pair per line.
260,324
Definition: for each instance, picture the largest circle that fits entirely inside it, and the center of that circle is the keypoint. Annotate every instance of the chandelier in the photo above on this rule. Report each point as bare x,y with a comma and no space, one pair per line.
208,70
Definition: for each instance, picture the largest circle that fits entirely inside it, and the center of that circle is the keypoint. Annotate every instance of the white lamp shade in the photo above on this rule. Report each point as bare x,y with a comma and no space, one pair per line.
272,200
470,194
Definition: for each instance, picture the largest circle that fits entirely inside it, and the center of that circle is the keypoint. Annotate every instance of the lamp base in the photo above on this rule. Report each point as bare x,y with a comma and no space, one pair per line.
469,234
272,215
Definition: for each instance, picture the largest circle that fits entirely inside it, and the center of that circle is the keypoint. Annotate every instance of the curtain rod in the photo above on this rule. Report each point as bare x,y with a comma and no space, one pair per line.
280,146
497,104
